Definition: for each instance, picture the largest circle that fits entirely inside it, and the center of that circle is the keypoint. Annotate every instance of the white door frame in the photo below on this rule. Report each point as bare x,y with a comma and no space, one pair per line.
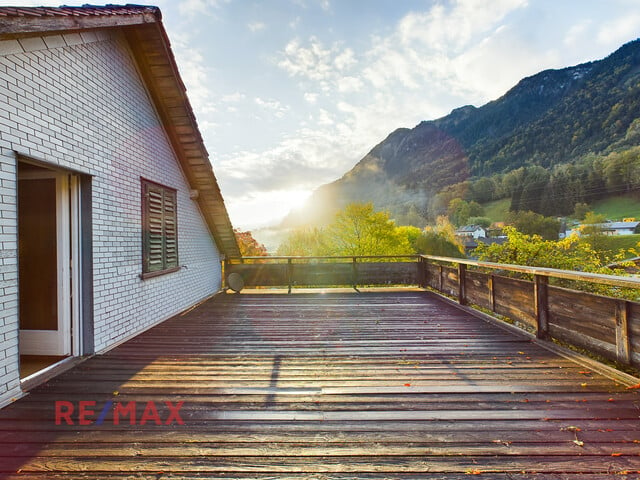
61,341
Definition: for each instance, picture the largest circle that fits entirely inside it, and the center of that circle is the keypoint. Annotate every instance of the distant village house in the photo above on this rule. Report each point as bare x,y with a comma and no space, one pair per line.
471,231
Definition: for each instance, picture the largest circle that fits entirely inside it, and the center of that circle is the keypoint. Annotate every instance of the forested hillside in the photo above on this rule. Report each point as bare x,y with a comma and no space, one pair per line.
557,138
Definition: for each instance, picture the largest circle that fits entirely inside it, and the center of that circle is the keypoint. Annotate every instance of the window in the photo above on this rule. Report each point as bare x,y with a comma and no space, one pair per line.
159,229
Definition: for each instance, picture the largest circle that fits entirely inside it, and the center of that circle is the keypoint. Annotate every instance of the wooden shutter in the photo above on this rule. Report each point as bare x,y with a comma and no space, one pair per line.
170,229
160,228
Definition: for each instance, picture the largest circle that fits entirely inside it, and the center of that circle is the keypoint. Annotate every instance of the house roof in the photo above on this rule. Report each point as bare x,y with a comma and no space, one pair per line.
619,225
469,228
148,40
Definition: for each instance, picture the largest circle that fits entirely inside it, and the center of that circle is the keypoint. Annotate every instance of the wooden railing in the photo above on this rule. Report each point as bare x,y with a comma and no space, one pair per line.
604,325
601,324
326,271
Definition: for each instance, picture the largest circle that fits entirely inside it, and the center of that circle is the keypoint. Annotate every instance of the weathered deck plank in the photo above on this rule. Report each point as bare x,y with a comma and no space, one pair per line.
329,386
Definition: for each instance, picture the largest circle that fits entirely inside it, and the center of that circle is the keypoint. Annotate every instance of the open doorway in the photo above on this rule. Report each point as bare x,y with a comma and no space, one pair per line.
48,244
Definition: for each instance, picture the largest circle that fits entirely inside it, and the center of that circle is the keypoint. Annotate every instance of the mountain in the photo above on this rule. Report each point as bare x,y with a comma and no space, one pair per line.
551,118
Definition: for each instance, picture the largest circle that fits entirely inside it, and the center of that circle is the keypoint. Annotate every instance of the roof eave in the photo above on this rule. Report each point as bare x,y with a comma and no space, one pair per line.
169,93
142,26
28,25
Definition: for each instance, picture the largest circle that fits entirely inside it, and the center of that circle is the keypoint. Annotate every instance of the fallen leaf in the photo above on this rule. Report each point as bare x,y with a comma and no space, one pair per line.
572,428
637,385
585,372
580,443
616,454
583,384
407,384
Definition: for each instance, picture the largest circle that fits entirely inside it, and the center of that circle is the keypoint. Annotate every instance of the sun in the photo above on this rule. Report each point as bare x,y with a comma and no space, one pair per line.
266,209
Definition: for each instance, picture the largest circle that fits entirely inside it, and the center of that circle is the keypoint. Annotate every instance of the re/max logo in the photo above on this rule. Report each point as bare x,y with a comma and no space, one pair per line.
85,413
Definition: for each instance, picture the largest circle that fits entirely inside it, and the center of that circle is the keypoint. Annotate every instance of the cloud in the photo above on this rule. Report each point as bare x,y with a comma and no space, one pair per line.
274,106
325,118
233,97
195,74
256,26
314,62
311,97
620,29
192,8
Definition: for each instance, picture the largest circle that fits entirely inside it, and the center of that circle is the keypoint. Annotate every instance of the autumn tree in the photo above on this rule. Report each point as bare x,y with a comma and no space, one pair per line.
593,234
570,253
459,211
304,242
249,246
532,223
356,230
440,240
360,230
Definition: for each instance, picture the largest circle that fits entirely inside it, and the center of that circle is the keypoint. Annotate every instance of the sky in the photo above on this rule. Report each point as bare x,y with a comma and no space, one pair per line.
291,94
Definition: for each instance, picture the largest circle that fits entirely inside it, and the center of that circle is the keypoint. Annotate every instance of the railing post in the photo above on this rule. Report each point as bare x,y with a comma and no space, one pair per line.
440,281
290,273
354,273
462,284
541,298
623,346
422,272
492,292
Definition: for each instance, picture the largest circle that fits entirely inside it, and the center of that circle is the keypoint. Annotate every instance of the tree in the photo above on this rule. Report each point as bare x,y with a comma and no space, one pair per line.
532,223
411,217
460,210
522,249
304,242
440,240
580,211
593,234
484,189
622,170
356,230
359,230
249,246
411,233
484,222
571,253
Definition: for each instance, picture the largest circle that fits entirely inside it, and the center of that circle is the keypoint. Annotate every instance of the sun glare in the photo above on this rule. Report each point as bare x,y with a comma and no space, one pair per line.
268,208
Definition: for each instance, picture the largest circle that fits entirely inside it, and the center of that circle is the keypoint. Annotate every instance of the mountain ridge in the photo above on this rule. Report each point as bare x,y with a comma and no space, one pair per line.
550,118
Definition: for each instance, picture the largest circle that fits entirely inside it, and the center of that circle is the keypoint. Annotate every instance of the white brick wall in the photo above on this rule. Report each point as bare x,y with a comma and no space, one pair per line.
77,101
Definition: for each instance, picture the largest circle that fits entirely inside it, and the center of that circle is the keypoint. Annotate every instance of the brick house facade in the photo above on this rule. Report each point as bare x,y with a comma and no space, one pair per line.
92,106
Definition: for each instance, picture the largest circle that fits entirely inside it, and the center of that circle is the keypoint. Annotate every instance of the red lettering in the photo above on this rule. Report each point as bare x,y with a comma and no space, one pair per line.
129,409
64,414
150,413
83,411
174,413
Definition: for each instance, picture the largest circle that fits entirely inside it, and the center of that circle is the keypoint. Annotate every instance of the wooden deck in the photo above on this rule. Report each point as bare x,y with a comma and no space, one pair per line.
394,385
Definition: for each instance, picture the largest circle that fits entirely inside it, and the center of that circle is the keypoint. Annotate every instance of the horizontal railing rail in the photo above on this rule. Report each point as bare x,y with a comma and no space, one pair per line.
599,278
545,301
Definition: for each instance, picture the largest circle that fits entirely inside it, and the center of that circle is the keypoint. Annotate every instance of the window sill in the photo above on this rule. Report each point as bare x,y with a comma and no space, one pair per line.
146,276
